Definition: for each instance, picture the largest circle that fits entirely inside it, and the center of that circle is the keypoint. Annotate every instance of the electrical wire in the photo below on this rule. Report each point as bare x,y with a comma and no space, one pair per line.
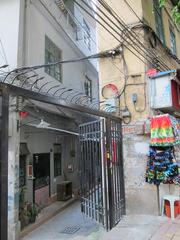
140,20
130,31
123,88
94,41
123,24
4,54
105,54
110,26
140,25
104,26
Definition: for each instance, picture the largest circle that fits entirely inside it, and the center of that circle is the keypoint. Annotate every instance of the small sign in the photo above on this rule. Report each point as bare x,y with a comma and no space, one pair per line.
30,171
151,72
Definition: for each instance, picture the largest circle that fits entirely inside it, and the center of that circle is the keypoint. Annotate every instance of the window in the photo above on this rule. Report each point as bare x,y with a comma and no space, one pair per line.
88,88
57,160
86,34
159,21
172,40
53,54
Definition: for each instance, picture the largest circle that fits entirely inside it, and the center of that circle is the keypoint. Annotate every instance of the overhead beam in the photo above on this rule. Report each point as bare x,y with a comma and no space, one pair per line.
18,91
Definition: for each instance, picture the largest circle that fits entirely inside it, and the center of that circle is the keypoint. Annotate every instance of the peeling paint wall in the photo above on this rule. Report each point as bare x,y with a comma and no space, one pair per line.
141,197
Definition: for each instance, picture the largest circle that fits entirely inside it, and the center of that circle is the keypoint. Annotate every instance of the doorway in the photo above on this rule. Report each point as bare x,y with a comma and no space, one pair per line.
41,182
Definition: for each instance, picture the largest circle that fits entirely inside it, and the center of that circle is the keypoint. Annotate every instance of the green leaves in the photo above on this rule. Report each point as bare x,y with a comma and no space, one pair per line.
175,11
162,3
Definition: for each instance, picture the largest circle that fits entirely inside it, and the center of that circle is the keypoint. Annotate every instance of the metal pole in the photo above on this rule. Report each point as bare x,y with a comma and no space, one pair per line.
4,115
158,200
109,172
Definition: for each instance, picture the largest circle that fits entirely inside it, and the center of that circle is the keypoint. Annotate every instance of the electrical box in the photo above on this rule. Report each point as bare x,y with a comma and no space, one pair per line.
165,92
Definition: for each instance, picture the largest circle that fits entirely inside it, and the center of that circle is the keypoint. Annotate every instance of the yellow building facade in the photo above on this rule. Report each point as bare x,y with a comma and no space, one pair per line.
148,39
158,38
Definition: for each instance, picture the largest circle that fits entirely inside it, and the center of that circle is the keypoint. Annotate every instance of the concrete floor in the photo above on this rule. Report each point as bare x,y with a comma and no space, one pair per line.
132,227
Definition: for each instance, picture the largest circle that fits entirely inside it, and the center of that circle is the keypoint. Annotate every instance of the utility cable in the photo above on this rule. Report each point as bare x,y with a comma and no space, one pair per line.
105,54
94,41
130,31
109,30
140,20
107,24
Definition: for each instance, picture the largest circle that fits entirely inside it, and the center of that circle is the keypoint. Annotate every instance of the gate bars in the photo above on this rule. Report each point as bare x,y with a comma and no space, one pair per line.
101,171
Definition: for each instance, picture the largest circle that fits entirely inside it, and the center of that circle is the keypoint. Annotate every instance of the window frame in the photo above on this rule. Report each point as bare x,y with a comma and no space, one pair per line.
55,53
88,83
159,21
173,45
86,34
56,154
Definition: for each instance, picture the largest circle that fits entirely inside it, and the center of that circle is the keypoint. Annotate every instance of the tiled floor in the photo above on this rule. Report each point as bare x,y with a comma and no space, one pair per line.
169,231
132,227
47,214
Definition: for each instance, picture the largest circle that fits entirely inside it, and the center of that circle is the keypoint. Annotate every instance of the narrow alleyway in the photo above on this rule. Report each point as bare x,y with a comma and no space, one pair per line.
132,227
70,217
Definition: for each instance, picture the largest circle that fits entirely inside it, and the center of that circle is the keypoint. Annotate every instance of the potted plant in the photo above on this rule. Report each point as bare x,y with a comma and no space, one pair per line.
23,212
33,211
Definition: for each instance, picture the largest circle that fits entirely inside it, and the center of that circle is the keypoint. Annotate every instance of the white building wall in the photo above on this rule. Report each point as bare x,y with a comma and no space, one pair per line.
22,31
38,24
46,140
9,31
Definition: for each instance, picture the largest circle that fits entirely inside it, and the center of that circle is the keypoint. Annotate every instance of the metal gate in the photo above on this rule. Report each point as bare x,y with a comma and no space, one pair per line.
101,171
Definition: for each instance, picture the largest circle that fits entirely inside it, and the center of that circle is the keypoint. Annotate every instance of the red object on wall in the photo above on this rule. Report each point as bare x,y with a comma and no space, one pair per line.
175,88
23,114
151,72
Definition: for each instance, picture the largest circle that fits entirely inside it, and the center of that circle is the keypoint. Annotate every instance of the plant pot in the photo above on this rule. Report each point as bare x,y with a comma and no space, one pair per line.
24,222
32,219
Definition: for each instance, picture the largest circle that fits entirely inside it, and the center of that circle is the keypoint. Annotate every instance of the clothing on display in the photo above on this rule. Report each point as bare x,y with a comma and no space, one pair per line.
162,166
165,131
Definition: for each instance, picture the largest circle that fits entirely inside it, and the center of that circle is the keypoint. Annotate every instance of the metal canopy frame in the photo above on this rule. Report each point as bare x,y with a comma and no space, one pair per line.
18,91
16,83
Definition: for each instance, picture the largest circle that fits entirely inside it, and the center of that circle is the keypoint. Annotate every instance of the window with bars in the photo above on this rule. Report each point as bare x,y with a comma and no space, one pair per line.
172,40
86,34
57,160
159,21
53,54
88,88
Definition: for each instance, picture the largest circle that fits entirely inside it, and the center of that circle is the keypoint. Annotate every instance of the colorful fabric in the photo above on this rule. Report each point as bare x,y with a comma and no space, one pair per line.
161,166
176,128
165,131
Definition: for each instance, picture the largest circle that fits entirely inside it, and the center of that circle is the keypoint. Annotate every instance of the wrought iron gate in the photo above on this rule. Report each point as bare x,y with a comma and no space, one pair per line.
101,171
